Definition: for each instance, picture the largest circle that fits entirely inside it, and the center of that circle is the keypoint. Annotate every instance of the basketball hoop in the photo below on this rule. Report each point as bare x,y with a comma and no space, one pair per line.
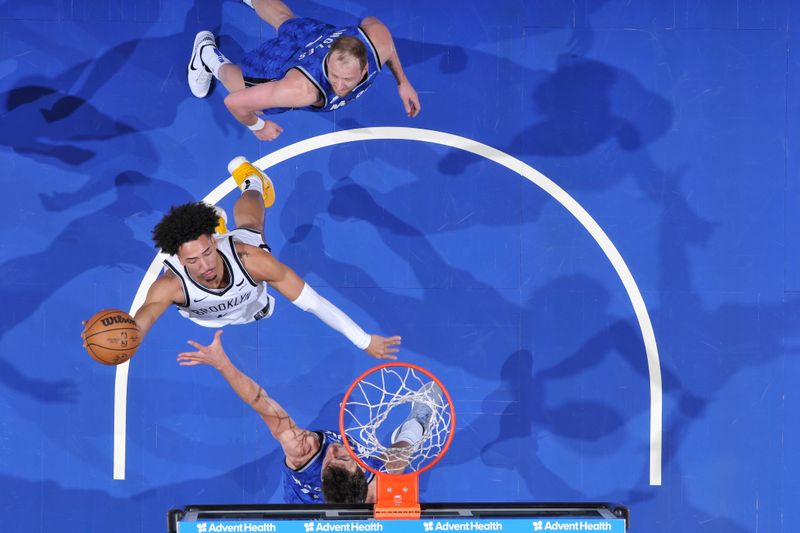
370,419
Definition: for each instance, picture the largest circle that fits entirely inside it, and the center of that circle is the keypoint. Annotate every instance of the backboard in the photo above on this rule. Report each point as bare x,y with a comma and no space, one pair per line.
434,517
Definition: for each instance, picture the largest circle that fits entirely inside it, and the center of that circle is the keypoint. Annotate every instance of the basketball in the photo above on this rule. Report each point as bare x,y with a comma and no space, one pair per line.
111,336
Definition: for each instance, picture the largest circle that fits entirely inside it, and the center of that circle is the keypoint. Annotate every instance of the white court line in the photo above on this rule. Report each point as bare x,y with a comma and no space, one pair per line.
468,145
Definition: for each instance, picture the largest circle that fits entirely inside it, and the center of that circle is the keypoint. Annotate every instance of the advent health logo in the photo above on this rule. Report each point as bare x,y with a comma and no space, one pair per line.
472,525
577,525
240,527
347,527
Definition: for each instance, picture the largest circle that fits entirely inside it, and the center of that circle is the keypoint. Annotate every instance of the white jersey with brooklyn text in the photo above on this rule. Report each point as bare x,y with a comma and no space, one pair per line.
241,301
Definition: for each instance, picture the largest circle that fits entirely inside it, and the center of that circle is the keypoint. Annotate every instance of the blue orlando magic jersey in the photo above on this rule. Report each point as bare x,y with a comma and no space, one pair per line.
303,44
304,485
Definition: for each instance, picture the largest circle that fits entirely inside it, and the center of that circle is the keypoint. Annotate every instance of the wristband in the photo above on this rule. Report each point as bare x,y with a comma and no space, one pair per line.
258,126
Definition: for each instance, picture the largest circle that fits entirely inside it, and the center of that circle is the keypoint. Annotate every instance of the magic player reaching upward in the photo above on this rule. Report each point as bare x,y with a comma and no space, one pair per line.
317,467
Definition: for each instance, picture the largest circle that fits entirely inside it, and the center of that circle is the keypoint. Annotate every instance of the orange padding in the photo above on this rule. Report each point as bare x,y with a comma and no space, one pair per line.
397,497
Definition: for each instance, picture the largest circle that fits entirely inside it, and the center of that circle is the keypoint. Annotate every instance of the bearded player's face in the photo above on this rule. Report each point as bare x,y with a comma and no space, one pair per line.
338,456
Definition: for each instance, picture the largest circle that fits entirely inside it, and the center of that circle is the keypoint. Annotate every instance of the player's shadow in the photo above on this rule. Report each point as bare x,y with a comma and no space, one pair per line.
589,111
543,17
305,252
454,203
529,407
29,129
525,388
559,15
581,106
87,509
63,118
508,439
32,279
470,315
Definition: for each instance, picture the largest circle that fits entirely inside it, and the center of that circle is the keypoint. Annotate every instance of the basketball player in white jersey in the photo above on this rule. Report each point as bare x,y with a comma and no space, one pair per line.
216,277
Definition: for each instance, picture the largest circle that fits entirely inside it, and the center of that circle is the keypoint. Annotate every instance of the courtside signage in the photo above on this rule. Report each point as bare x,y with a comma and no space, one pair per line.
514,525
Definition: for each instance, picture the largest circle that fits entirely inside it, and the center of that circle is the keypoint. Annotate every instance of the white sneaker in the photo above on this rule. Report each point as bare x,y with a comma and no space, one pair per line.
421,410
198,75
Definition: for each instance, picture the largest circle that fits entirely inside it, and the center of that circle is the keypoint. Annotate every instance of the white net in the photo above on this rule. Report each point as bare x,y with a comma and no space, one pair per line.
381,404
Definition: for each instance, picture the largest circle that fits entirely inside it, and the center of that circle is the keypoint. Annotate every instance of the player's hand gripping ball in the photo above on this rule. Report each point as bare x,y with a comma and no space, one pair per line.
111,336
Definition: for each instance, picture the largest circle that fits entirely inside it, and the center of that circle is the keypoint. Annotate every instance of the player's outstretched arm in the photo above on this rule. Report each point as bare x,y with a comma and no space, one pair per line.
382,39
294,440
164,292
263,266
293,90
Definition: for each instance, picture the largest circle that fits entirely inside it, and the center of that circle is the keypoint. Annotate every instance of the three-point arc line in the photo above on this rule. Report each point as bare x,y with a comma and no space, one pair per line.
468,145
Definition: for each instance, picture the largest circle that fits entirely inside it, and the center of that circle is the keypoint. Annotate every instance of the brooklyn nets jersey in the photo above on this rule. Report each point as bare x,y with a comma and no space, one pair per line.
241,301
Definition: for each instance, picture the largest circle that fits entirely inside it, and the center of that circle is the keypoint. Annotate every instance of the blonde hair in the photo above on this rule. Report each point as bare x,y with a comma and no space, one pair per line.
350,47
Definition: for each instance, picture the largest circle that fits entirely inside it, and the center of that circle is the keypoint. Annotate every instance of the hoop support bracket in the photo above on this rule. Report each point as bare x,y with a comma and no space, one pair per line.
397,497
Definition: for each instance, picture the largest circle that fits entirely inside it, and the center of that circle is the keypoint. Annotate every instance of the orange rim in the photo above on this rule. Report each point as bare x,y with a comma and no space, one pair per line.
358,459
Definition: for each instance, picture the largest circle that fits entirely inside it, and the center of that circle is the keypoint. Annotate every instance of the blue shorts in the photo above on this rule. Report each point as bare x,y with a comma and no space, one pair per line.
273,58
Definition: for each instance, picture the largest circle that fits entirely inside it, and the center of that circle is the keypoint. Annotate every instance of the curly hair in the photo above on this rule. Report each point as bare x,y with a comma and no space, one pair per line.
350,47
343,486
184,223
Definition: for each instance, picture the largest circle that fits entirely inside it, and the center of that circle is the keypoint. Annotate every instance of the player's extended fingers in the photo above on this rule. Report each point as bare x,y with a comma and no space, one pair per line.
195,344
417,108
190,356
269,135
408,105
394,341
386,350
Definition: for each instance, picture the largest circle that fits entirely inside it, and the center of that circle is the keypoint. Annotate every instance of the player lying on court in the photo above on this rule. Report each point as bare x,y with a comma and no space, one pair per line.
317,467
217,277
310,65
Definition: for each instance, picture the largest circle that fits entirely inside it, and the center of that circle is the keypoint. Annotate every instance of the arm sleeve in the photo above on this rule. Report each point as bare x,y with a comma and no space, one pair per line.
312,302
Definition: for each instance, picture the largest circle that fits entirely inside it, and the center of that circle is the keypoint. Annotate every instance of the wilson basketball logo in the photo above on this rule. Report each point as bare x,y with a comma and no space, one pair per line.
116,319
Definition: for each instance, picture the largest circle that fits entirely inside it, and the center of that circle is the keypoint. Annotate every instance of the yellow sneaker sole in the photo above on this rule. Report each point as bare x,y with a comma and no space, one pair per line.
241,169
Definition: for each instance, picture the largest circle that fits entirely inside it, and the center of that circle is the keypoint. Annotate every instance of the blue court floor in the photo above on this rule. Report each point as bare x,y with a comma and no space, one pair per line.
590,234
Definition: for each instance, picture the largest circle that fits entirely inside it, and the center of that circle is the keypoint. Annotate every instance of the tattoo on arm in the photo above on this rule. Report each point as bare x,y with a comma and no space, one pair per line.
261,393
